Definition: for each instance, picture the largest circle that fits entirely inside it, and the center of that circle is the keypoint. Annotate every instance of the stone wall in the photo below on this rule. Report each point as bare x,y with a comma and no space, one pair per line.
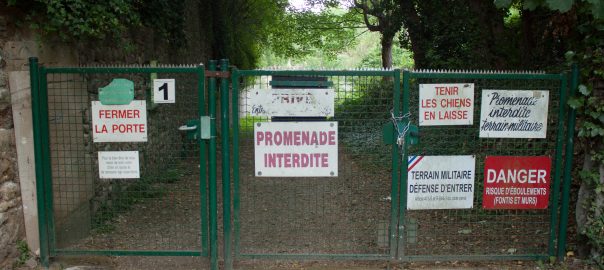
17,44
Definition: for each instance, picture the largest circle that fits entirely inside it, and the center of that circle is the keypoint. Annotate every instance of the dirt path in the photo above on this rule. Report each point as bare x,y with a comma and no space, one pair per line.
347,214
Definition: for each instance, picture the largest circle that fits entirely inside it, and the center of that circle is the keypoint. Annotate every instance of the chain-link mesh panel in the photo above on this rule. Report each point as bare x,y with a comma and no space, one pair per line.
348,214
479,231
161,210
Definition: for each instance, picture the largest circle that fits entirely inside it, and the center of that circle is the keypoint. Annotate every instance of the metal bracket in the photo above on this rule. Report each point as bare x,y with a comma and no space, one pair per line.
217,74
204,124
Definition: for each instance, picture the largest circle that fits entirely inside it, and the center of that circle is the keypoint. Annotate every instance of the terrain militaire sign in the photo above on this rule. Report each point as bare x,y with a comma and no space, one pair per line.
440,182
516,182
296,149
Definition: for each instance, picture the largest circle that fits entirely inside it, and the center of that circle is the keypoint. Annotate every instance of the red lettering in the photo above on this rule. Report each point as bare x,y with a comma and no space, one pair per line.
332,137
428,103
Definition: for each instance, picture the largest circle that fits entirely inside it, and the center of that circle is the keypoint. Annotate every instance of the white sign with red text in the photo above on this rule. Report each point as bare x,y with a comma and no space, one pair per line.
291,102
296,149
119,123
446,104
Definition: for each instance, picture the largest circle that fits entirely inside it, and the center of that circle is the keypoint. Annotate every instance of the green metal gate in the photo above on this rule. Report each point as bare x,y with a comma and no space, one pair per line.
362,213
162,212
478,233
359,212
351,216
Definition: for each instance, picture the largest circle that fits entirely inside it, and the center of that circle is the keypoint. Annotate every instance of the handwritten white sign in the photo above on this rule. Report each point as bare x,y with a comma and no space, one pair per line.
514,113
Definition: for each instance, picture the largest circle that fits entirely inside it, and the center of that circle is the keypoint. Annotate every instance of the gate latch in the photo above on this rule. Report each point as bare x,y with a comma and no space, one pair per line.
388,133
197,128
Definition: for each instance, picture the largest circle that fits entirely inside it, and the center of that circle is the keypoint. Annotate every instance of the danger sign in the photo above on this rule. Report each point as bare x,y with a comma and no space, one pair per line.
440,182
296,149
516,182
119,123
446,104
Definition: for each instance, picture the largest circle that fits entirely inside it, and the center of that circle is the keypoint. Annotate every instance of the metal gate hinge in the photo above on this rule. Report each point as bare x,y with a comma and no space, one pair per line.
218,74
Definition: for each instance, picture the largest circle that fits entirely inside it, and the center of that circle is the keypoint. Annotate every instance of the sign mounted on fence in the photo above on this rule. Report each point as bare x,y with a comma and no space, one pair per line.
440,182
119,123
296,149
516,182
446,104
291,102
118,164
514,113
164,91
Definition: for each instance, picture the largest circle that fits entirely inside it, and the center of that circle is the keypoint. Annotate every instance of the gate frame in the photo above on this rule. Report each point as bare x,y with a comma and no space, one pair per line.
40,119
396,231
562,164
565,132
395,176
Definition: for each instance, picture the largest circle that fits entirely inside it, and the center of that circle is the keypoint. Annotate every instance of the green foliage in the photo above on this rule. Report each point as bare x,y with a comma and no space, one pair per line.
241,28
89,20
166,18
75,20
302,33
589,54
24,253
125,196
401,58
453,35
359,116
592,7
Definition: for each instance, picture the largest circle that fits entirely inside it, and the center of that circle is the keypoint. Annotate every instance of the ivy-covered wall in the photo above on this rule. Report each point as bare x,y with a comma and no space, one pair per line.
56,34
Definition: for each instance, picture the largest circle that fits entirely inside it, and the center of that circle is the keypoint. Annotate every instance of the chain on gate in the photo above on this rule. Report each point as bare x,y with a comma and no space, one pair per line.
400,130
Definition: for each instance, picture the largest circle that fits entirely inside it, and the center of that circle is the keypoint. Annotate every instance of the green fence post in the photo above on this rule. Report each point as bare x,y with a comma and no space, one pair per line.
555,191
235,115
403,175
212,169
203,155
568,162
396,170
37,117
226,181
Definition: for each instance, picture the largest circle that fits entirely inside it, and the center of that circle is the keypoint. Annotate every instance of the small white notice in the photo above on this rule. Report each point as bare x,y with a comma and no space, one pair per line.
164,91
119,123
296,149
291,102
446,104
119,165
514,113
440,182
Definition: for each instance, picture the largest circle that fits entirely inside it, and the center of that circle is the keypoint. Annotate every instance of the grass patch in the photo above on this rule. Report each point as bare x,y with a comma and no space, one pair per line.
126,195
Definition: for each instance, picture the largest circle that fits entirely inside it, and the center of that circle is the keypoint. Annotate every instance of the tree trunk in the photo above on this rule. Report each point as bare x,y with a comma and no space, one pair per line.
528,41
493,32
387,52
582,210
412,23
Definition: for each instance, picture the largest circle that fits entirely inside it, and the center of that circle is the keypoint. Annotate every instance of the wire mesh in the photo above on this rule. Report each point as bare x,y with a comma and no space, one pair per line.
478,231
159,211
348,214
